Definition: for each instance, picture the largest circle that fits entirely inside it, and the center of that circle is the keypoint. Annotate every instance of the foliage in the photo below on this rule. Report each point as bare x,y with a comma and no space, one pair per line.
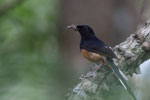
29,51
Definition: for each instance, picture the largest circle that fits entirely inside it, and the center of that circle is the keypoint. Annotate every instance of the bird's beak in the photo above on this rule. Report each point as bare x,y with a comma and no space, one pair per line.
72,26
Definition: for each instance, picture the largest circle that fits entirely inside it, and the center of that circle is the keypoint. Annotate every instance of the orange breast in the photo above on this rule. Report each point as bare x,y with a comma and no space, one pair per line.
92,56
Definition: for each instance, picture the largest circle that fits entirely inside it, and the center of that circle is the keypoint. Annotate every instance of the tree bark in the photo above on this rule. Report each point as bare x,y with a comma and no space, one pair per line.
100,85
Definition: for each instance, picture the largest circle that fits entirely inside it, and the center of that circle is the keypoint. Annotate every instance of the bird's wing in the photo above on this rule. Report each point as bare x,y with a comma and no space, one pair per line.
100,48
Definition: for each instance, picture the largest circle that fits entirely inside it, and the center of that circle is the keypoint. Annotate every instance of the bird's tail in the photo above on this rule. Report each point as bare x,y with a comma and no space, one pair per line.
120,77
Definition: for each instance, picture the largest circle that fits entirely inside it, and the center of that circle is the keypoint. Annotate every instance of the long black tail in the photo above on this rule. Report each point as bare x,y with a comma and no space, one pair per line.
120,77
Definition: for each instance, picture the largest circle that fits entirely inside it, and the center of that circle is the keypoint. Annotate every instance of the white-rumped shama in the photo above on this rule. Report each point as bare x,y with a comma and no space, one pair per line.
97,51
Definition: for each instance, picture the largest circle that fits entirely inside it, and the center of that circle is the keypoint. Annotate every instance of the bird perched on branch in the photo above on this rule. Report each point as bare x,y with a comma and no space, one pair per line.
97,51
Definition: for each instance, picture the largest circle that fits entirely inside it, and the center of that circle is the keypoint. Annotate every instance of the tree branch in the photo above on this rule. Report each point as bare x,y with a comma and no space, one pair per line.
131,53
4,9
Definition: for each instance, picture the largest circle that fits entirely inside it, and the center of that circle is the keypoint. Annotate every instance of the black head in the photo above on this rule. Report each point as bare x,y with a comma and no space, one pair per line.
85,30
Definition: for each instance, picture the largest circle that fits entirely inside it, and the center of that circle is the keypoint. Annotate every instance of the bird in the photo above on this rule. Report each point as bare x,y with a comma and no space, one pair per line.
95,50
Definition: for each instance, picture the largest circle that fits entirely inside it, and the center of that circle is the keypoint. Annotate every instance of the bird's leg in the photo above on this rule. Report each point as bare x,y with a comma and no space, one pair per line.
102,62
99,66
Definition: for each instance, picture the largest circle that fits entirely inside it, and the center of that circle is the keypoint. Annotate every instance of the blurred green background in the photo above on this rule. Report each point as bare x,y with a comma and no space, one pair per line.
29,50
